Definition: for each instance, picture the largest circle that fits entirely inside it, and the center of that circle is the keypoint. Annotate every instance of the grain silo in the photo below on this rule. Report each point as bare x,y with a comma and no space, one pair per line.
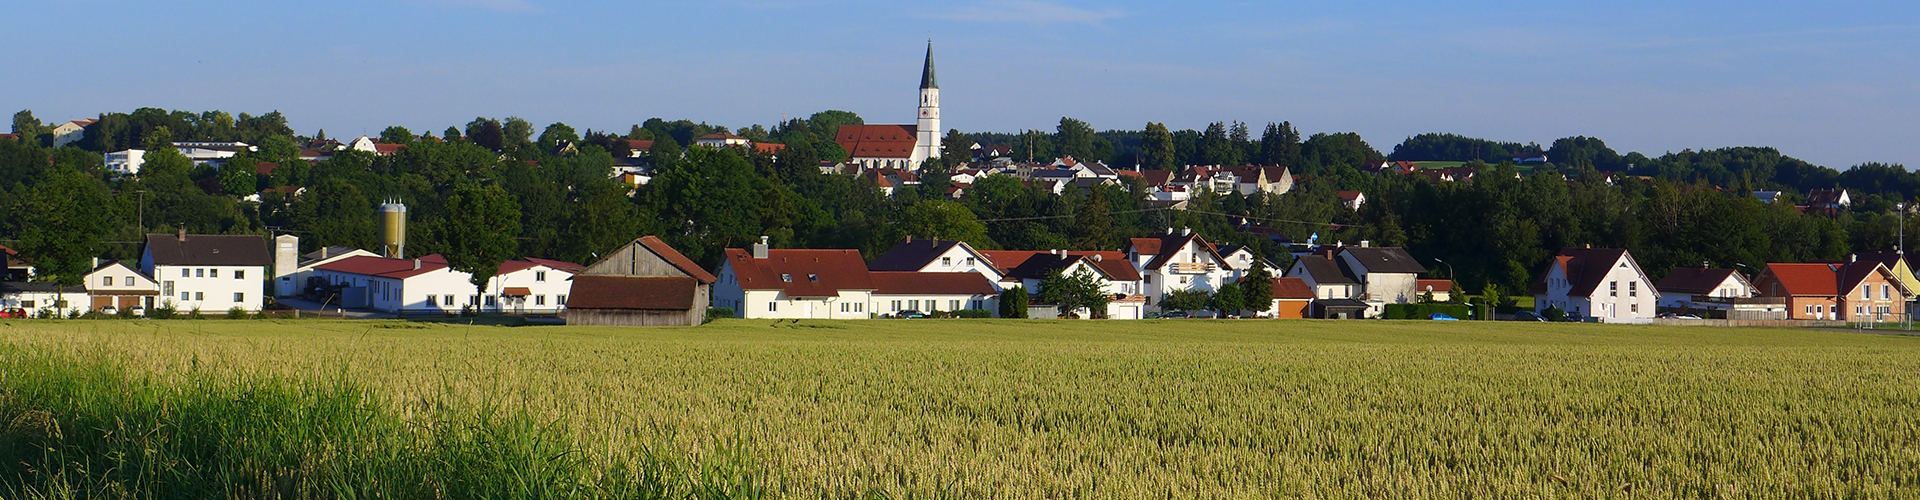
393,229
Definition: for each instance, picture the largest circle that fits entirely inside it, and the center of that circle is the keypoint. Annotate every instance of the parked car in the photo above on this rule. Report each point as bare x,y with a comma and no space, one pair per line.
13,313
1151,316
1528,316
909,314
1442,317
1177,315
1205,314
1676,316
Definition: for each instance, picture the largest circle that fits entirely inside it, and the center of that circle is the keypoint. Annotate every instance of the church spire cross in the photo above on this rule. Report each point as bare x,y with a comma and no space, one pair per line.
926,74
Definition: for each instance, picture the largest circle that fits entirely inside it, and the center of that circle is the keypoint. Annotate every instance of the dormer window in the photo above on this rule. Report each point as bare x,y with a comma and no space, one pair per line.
946,261
813,278
786,277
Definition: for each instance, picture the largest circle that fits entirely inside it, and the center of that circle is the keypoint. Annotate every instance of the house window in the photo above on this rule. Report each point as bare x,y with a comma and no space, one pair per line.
953,305
1886,291
128,281
167,288
213,273
1633,289
913,304
540,276
1183,280
1809,308
446,300
539,300
773,306
199,295
183,273
199,273
26,304
896,305
845,307
239,274
1149,279
1866,292
969,261
1613,289
946,261
186,296
239,297
490,300
1634,307
107,281
473,300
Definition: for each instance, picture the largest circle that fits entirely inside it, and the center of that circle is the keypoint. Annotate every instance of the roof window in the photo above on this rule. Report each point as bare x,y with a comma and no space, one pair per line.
813,277
786,277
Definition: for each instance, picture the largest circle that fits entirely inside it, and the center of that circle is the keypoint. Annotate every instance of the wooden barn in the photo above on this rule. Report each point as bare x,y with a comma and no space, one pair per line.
645,283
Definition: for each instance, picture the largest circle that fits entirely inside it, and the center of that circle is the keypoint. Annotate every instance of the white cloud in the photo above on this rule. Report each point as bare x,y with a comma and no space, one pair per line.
1028,11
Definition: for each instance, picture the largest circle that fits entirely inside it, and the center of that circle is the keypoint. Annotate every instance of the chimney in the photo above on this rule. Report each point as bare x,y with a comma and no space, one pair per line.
909,238
760,249
1365,243
1169,230
1096,257
1186,231
183,234
96,262
416,264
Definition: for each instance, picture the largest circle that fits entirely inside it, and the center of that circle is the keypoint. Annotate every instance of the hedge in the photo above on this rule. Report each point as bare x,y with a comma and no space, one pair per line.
1424,311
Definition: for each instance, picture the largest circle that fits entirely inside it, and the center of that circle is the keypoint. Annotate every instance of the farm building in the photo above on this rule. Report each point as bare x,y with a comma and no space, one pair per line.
645,283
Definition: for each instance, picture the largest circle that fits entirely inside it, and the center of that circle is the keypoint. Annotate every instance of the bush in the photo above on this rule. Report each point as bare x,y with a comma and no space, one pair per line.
973,313
164,311
1554,314
1424,311
1013,302
717,312
195,314
237,313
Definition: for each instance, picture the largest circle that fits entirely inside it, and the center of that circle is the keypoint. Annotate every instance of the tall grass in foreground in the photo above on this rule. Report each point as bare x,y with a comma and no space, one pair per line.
85,427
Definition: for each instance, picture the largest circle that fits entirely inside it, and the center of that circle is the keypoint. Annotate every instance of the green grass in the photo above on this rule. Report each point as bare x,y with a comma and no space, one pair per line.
1064,409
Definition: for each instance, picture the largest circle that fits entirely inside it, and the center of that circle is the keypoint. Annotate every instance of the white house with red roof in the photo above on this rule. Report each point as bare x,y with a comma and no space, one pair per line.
1177,261
427,285
1602,283
837,284
71,132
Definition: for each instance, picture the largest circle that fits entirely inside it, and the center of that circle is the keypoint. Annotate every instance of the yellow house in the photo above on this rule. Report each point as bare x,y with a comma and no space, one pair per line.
1894,261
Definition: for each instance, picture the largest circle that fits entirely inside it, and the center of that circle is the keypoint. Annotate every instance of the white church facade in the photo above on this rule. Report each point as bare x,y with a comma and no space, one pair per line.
898,146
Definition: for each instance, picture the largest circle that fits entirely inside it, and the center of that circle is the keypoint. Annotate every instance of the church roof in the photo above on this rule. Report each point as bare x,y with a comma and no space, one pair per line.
926,74
877,141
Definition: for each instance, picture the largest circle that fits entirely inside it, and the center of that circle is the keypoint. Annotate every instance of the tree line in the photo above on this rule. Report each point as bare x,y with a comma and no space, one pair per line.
494,189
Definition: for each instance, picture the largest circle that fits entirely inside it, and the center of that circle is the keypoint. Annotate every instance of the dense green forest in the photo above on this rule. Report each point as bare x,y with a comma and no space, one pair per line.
493,176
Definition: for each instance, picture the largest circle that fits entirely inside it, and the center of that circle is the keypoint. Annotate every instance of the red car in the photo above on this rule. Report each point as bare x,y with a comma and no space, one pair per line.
14,313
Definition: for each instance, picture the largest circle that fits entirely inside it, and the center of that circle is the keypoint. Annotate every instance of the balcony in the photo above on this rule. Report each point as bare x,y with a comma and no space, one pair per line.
1191,267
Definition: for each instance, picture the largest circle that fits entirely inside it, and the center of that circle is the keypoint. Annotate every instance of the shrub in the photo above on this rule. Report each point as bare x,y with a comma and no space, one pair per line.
1554,314
1013,302
195,313
718,312
237,313
164,311
1424,311
973,313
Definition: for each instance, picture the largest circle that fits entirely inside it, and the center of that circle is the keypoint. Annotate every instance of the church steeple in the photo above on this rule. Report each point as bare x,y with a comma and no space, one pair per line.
926,74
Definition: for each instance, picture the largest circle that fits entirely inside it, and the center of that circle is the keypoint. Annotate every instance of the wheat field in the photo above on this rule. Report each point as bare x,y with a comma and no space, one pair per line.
1160,409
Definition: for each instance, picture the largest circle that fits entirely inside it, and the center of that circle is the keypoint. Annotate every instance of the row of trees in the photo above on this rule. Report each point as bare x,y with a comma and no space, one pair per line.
495,189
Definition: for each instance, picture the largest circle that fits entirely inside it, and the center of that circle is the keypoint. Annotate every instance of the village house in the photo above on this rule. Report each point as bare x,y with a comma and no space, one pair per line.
645,283
204,272
1117,276
794,284
114,286
1684,286
1441,290
428,285
1176,261
1601,283
71,132
938,256
1851,291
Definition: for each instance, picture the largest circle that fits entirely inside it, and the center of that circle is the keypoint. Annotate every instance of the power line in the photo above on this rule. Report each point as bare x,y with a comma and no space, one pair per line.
1262,219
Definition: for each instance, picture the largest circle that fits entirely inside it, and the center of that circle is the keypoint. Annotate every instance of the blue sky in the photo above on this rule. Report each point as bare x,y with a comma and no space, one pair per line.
1835,83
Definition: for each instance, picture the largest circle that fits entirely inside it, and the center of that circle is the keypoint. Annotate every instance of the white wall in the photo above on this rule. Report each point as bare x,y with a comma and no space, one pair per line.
211,289
889,304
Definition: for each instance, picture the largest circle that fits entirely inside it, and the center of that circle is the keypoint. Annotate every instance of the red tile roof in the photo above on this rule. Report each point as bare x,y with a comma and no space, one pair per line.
1034,264
877,141
1348,195
801,273
1292,288
558,264
674,257
626,292
1805,279
1439,286
639,145
1163,247
265,167
386,149
772,148
516,291
916,283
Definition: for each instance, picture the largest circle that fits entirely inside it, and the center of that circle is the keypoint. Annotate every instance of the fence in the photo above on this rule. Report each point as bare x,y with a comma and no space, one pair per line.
1750,323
